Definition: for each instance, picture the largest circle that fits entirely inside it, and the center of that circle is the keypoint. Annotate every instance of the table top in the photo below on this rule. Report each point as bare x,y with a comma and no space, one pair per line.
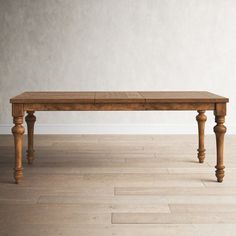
119,97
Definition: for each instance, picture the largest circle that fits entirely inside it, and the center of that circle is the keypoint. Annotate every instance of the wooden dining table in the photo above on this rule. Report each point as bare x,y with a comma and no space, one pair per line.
201,101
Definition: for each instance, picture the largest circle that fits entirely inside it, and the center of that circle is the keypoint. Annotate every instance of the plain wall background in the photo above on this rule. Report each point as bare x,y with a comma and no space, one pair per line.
87,45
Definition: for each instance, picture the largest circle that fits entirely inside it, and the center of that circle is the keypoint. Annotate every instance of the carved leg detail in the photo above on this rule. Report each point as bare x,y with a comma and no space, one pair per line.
30,120
18,131
220,130
201,119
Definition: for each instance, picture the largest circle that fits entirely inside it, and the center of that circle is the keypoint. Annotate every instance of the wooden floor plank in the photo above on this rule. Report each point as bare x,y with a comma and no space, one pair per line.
121,230
162,199
173,218
188,208
180,191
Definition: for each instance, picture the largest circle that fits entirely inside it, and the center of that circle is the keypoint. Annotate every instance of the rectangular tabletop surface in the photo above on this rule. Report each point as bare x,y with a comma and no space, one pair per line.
118,97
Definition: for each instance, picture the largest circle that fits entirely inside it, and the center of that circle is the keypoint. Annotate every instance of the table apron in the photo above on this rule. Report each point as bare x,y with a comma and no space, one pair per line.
117,106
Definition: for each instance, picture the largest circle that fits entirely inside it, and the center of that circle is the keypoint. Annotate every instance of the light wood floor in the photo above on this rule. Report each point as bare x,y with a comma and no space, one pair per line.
118,185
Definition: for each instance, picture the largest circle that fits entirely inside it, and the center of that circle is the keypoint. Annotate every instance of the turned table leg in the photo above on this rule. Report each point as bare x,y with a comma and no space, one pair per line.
220,131
18,131
201,119
30,120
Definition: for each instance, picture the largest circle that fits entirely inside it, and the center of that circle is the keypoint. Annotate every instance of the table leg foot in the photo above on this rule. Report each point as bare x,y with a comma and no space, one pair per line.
220,173
18,174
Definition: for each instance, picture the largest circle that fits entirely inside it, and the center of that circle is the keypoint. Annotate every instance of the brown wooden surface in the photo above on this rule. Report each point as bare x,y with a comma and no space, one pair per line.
118,97
118,101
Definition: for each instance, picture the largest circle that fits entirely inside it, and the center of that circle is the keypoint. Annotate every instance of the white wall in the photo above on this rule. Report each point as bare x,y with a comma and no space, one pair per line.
81,45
